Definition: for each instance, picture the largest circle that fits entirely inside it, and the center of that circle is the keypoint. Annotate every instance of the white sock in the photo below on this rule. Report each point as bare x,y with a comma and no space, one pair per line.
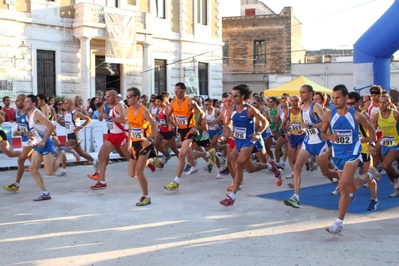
102,182
177,179
232,196
16,183
296,196
339,221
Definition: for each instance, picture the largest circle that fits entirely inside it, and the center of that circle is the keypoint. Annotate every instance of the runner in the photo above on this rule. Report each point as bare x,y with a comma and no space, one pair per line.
140,146
117,138
183,108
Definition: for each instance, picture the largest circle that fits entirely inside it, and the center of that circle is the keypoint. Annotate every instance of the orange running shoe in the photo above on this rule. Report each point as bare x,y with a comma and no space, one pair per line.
95,177
230,188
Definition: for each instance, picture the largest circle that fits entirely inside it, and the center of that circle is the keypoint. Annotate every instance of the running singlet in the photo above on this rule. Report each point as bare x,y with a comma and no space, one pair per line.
202,134
348,141
313,135
163,121
211,117
273,118
137,124
114,127
243,126
295,122
390,130
38,131
70,123
184,116
23,123
364,134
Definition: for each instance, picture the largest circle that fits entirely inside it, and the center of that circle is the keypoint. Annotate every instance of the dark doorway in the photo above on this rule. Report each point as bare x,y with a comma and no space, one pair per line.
107,75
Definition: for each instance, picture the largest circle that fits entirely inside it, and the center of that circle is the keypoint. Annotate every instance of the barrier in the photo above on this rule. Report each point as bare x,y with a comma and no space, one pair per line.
92,137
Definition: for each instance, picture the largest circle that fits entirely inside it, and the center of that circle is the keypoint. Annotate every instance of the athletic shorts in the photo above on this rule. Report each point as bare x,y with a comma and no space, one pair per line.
213,133
74,136
167,135
203,143
339,163
118,139
296,140
138,150
315,149
267,133
386,149
258,145
231,143
3,135
49,147
185,134
366,157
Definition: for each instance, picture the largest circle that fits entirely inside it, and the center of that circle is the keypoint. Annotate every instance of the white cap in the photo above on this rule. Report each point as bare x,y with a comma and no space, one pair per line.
120,95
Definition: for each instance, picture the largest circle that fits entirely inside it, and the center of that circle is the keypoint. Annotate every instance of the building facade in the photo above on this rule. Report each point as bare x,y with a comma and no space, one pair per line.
258,44
66,42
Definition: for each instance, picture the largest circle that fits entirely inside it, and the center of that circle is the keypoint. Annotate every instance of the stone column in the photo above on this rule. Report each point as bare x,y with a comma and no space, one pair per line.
147,88
85,87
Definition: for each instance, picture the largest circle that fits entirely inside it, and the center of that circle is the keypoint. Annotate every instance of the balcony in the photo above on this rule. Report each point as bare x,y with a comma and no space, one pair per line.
89,20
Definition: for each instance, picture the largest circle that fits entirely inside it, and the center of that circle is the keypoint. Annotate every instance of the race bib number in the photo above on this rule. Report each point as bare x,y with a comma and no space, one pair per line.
296,127
28,143
344,137
311,131
181,120
163,122
36,135
67,125
22,127
110,125
136,133
240,132
388,141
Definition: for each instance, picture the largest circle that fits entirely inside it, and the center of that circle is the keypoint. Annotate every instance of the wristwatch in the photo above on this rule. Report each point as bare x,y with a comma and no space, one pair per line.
310,125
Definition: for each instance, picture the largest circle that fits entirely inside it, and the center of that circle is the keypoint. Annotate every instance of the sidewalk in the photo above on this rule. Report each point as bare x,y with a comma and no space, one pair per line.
79,226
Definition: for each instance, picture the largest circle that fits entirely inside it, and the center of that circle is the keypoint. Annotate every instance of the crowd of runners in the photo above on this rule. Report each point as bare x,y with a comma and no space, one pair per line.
350,138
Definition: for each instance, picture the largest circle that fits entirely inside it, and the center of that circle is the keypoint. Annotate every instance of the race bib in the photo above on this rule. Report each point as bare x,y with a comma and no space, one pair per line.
36,135
22,127
311,131
110,125
181,120
27,143
388,141
296,126
163,122
240,132
136,133
344,136
68,125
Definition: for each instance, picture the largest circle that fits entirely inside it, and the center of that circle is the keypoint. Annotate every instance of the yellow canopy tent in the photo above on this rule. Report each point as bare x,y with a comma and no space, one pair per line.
292,87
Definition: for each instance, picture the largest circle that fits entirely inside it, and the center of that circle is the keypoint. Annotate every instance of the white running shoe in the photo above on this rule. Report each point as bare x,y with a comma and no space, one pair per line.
192,171
335,228
61,172
335,192
219,175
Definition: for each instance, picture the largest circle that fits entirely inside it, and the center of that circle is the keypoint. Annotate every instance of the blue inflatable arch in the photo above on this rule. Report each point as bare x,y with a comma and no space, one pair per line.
373,51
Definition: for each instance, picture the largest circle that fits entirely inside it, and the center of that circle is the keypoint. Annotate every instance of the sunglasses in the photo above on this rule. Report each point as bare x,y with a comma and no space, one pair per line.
130,96
236,95
350,103
59,103
375,92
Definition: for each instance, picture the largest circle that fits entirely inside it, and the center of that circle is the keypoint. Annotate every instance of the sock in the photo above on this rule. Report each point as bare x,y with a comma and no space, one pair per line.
351,195
296,196
102,182
232,196
269,166
207,154
16,183
220,169
339,221
45,192
64,168
193,168
370,175
177,179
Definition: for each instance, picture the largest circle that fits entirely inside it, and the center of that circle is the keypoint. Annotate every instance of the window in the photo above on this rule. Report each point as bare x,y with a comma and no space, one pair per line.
226,53
6,86
250,12
160,76
46,72
202,12
203,78
260,52
160,8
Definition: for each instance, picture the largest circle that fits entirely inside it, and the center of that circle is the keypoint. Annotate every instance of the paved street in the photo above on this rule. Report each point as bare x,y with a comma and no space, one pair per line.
84,227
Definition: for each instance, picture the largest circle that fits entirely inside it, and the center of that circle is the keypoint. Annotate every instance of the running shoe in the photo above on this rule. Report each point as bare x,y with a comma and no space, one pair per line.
77,157
226,171
61,172
192,171
273,164
151,166
227,201
99,186
292,202
335,192
187,168
95,165
395,183
157,163
394,194
366,185
172,186
95,177
209,168
373,205
279,181
290,176
212,157
335,228
352,198
291,184
144,201
219,175
43,196
376,174
11,188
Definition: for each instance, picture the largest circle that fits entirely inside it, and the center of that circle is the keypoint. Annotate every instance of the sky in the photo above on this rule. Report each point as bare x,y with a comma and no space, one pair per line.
334,24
